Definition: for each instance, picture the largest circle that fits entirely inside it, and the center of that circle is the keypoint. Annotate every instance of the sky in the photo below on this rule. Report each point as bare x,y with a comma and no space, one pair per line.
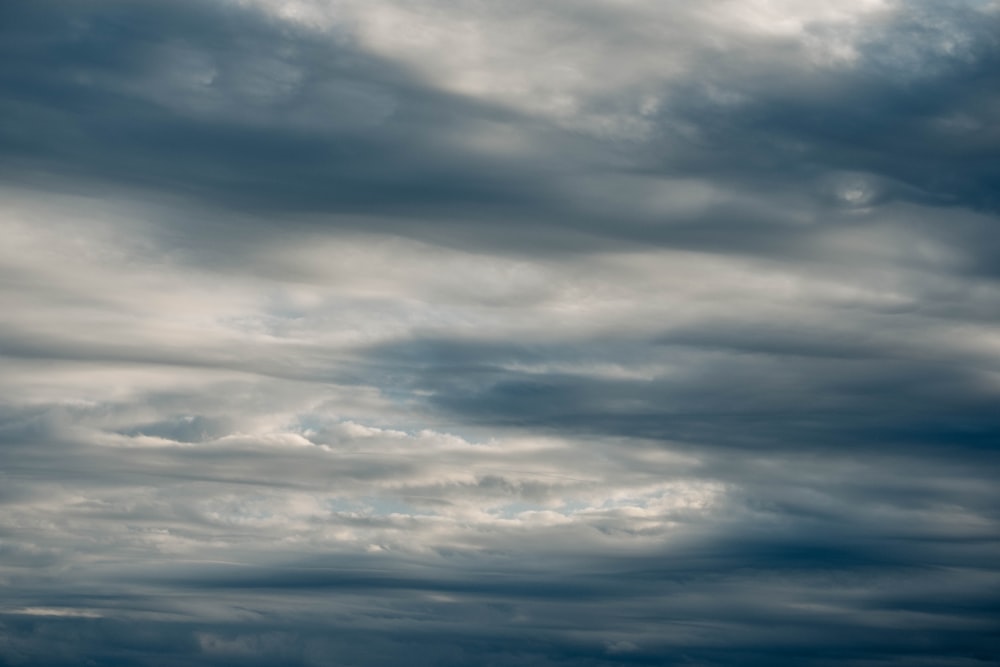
590,333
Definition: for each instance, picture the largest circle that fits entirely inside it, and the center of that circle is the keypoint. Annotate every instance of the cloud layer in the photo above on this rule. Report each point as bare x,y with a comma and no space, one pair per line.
590,333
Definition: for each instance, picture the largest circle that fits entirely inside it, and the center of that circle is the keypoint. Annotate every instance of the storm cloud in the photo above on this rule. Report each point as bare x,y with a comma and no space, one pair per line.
455,333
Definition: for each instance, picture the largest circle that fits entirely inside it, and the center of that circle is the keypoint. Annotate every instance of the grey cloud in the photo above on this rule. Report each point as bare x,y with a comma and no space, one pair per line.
190,102
104,102
732,394
584,334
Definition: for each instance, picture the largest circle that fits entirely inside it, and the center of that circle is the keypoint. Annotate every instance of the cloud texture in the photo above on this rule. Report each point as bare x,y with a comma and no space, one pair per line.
595,333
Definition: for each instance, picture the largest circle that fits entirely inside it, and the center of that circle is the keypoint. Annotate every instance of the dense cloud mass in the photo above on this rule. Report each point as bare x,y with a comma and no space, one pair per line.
445,333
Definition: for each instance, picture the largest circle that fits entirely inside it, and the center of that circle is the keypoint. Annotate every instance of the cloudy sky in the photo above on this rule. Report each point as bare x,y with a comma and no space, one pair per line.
367,333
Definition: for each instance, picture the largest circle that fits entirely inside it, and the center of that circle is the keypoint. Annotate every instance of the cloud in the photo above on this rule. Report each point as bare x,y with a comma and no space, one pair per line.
597,333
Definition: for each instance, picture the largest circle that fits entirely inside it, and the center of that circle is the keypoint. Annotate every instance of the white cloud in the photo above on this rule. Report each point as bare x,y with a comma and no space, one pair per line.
599,66
57,612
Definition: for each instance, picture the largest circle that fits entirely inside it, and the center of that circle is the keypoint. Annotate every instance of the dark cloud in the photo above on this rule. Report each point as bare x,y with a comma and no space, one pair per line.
223,104
726,386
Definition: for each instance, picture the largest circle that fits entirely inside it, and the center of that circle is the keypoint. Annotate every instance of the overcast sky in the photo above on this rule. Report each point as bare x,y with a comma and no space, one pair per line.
438,333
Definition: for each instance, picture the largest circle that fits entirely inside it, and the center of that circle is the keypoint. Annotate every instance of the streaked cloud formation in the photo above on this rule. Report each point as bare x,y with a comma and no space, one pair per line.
606,332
